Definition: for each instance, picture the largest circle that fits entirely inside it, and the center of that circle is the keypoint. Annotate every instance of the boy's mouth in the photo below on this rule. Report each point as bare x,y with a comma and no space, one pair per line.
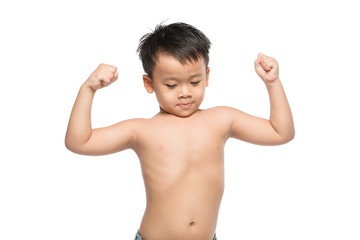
185,105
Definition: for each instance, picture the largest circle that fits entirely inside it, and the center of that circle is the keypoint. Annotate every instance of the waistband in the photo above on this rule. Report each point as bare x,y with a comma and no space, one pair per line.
138,236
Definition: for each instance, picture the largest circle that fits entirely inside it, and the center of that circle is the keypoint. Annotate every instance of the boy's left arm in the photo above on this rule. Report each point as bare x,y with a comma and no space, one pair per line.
279,129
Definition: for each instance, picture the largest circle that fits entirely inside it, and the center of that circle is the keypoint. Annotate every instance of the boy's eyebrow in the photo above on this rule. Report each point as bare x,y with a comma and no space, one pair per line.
191,77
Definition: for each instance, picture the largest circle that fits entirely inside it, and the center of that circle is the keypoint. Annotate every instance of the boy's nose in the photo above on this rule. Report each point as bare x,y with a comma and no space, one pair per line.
184,93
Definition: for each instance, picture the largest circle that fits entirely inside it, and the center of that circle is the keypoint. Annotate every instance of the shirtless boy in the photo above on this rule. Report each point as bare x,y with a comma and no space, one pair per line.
181,148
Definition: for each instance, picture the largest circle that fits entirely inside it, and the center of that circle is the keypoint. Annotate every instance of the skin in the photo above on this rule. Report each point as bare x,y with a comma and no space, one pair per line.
181,149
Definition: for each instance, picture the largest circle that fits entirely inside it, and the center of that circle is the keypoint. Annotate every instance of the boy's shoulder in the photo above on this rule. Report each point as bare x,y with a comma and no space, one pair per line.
220,111
219,115
224,115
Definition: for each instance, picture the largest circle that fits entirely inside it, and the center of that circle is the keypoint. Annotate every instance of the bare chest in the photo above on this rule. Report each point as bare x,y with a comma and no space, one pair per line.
183,140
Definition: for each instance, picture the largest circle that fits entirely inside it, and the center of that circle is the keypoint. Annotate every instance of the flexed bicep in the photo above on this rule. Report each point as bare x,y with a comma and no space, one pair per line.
108,140
253,129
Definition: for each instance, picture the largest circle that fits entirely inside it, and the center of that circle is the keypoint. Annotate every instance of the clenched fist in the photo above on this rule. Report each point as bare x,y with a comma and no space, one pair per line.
267,68
103,76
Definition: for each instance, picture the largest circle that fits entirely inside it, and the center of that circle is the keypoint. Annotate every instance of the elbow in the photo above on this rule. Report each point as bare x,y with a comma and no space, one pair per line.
76,150
81,149
291,135
287,138
72,147
68,143
74,144
69,146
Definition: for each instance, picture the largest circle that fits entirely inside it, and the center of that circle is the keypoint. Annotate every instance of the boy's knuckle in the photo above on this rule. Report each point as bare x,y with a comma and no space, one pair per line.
101,65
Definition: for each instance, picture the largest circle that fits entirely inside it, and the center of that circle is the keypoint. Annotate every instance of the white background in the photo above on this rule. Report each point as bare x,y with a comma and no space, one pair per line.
307,189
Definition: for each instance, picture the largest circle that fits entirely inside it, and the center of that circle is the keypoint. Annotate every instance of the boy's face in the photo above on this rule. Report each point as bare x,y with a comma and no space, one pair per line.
179,88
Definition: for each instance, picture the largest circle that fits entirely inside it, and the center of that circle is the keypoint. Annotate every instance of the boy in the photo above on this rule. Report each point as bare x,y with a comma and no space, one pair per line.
181,149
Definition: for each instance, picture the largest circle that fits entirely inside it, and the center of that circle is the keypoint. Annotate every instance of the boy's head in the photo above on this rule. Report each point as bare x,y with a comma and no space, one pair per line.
180,40
175,59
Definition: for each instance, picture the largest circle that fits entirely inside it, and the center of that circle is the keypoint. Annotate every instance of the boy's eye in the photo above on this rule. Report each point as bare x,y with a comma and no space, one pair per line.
171,86
194,83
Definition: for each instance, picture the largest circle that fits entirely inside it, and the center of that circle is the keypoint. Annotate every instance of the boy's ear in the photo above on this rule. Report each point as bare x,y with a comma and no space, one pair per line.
148,84
207,77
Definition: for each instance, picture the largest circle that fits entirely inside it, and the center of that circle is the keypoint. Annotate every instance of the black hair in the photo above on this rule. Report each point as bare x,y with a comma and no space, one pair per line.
182,41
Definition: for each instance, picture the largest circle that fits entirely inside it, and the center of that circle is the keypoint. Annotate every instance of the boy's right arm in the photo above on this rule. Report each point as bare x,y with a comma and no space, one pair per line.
80,137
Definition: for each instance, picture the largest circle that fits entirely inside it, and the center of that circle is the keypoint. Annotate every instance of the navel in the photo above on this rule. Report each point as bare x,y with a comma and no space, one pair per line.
192,223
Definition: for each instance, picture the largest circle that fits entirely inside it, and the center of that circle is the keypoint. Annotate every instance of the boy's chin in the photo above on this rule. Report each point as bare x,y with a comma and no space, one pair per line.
182,114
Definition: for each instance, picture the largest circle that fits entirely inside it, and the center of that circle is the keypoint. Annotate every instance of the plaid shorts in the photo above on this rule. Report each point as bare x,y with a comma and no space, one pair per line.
138,236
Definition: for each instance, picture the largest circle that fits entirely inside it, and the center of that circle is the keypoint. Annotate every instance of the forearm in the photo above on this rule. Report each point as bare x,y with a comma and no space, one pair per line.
79,127
280,113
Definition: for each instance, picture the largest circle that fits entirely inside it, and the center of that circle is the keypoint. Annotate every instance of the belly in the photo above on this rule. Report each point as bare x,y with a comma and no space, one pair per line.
183,203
